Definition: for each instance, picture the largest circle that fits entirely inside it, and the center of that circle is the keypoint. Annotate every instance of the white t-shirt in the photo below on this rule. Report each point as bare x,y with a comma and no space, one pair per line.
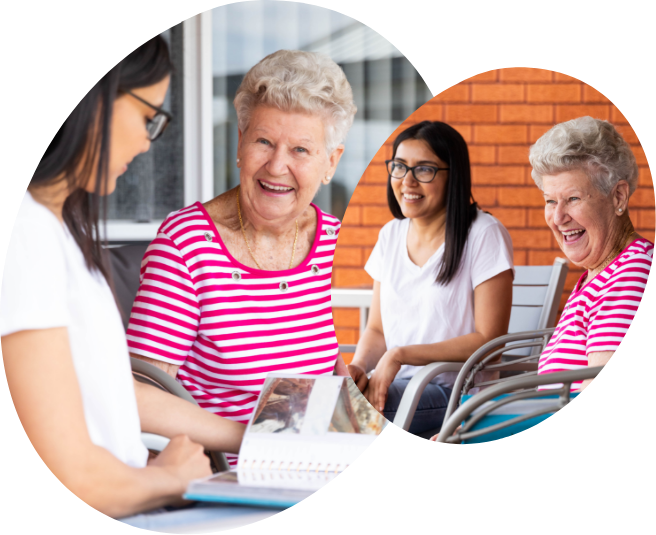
417,310
46,284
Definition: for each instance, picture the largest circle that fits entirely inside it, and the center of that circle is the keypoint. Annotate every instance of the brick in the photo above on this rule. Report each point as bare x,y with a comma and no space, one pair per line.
346,336
348,256
616,116
375,173
526,113
510,217
633,216
470,113
536,218
357,236
644,177
351,278
369,195
568,112
649,234
535,132
501,134
497,175
530,239
520,196
346,317
485,196
543,258
560,77
456,93
347,357
519,258
489,76
640,156
482,154
590,94
573,277
376,215
353,215
553,93
627,133
497,93
513,154
465,130
428,112
525,74
642,198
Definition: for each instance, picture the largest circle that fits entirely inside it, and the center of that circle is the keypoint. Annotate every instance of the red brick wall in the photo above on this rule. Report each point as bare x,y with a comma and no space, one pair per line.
500,114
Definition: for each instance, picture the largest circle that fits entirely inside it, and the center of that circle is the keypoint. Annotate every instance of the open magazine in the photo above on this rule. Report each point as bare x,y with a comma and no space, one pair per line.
303,432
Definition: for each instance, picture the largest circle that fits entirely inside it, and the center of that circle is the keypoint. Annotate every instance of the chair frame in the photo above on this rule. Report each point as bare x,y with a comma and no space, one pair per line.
455,431
146,373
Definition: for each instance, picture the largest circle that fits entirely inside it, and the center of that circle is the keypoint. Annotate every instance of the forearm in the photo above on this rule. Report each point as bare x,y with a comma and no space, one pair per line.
171,369
457,349
369,349
164,414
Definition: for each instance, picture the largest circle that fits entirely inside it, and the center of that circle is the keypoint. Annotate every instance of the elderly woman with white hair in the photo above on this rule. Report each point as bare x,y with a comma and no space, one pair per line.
587,174
240,286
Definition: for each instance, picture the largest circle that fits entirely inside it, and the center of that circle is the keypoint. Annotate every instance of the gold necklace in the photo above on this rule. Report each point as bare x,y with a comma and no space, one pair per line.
626,235
243,232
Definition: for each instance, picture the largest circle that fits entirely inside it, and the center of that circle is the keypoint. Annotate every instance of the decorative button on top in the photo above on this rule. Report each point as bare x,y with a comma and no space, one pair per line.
315,269
236,276
330,231
208,236
283,286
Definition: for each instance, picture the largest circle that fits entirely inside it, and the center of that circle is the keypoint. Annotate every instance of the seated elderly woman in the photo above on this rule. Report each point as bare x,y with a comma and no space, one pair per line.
587,173
240,286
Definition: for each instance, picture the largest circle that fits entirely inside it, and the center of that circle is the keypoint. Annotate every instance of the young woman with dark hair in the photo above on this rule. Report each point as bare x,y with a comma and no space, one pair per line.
64,348
442,273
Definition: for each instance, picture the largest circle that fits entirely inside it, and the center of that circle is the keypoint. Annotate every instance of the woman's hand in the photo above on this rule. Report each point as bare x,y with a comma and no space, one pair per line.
184,460
386,370
359,376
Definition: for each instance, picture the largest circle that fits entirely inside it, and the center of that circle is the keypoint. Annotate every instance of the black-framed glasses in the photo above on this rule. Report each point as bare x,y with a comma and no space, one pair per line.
422,173
158,123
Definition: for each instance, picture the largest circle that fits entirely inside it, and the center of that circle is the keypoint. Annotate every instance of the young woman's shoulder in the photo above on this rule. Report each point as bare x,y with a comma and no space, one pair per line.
485,224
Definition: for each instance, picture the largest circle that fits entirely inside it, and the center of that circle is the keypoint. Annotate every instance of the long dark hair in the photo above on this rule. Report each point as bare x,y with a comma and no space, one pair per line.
82,144
450,147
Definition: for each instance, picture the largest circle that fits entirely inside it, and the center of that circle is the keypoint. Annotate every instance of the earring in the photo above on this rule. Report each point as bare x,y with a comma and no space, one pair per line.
619,210
238,160
328,177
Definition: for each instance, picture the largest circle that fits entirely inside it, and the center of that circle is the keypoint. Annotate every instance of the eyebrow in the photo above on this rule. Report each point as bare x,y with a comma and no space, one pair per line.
302,140
422,162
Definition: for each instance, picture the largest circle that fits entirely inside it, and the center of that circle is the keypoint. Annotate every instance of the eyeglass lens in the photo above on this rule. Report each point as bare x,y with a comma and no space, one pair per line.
421,172
156,126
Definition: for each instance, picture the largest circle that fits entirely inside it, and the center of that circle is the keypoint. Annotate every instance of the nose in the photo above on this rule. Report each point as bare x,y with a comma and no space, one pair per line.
278,162
561,216
409,179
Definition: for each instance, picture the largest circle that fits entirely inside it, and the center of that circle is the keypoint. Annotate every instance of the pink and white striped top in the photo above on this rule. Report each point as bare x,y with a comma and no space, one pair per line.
226,324
598,315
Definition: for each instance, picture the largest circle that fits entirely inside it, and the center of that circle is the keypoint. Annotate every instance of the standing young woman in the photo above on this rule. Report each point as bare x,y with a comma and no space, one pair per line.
442,273
63,344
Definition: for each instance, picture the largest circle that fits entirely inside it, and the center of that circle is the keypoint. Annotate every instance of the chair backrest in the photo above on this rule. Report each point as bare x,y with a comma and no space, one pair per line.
125,265
536,297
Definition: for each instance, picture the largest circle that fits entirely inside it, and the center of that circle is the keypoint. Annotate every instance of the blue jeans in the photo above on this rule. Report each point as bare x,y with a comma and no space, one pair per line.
430,409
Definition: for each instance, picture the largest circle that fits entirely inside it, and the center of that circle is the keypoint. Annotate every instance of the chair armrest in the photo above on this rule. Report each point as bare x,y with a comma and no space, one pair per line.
524,382
159,378
416,386
154,442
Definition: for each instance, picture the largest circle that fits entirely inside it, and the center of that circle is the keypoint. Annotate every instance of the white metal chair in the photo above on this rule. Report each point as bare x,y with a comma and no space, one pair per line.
536,296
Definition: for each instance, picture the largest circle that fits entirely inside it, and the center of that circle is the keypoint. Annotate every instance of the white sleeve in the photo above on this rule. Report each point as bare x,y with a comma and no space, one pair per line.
374,265
492,253
34,284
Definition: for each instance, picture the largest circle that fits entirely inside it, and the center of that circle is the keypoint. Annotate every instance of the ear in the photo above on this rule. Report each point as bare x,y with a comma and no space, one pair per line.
239,138
620,196
333,160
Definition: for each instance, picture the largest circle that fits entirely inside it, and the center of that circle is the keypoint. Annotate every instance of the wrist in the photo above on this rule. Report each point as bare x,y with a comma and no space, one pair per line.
397,355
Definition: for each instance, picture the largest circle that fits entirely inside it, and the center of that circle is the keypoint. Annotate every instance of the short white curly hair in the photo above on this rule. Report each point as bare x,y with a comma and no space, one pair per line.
591,145
296,80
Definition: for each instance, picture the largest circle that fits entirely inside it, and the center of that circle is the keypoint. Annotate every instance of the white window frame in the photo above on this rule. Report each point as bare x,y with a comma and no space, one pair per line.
198,128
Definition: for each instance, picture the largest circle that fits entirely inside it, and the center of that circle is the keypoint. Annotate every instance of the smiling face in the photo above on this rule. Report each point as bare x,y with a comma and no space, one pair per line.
419,199
584,221
283,161
129,136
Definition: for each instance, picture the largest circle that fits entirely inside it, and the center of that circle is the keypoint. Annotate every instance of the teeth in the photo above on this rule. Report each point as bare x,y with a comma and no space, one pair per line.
571,232
412,197
274,188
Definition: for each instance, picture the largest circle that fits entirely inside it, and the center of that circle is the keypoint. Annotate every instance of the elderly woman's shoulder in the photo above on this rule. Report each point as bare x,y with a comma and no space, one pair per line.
639,252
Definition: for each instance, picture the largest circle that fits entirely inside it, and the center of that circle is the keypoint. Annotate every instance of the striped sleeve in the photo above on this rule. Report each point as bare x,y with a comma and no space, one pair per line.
611,315
166,314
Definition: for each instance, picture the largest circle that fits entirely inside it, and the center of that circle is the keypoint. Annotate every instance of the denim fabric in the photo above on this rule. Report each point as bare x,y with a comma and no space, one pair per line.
430,409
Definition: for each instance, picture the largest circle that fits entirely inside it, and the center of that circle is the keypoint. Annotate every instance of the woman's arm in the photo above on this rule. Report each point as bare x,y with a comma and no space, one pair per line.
171,369
492,304
371,345
46,394
598,358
